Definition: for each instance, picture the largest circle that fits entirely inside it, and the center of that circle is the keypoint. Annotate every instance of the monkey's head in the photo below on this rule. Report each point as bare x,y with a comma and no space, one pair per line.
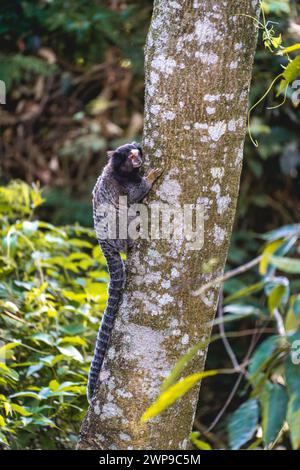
126,159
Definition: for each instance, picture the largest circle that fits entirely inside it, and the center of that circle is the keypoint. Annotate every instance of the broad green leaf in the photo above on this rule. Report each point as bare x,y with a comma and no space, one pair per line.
243,423
52,360
263,353
20,409
181,363
245,291
2,421
73,340
292,320
287,231
174,392
44,421
34,368
288,265
3,439
8,372
292,70
26,394
54,385
70,295
8,347
95,289
274,402
293,419
71,351
275,297
276,6
292,365
44,337
292,378
237,312
268,251
288,50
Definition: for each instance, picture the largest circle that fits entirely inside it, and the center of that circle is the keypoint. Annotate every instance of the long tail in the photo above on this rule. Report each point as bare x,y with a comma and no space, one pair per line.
117,278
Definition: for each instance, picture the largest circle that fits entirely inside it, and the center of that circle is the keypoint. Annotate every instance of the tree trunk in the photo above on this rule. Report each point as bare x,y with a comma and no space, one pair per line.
199,57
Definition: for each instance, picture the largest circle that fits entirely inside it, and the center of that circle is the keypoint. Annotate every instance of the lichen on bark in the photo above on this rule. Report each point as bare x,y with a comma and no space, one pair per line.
198,62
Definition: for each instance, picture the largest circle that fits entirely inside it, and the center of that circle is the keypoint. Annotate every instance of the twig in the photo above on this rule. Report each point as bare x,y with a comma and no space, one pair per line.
226,404
228,275
226,343
209,435
256,334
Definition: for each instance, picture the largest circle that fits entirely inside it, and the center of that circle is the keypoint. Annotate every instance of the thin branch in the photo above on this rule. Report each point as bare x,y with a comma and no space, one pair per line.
226,343
257,333
234,272
226,404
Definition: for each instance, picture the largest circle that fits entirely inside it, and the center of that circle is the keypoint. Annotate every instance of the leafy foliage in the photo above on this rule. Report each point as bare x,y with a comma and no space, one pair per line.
243,424
52,292
274,369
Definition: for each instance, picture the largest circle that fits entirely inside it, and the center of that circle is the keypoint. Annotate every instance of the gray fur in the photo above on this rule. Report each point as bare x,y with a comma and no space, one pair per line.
114,182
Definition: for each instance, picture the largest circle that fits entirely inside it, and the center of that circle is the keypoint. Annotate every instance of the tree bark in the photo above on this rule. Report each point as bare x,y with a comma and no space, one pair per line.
199,57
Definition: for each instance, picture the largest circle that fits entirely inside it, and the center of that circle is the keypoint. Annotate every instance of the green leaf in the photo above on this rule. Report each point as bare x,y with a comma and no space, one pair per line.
282,232
34,368
26,394
243,423
194,438
20,409
238,312
8,347
288,50
291,72
288,265
276,296
245,291
54,385
44,337
292,377
293,419
174,392
71,351
73,340
181,363
263,353
274,402
3,439
269,250
8,372
70,295
292,320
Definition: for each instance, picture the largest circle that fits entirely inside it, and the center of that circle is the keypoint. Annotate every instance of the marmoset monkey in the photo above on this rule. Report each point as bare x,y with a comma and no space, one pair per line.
120,177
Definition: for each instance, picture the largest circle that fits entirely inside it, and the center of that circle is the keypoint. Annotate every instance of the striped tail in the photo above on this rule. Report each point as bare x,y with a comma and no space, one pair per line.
117,278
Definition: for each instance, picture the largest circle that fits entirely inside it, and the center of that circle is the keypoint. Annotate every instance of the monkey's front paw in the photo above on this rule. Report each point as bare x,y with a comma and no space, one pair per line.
154,174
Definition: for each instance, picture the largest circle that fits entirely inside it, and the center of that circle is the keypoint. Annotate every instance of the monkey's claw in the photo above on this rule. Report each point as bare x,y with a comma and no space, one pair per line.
154,174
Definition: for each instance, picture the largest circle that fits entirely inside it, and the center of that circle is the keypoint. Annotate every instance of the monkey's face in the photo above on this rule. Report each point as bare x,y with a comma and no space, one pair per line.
127,158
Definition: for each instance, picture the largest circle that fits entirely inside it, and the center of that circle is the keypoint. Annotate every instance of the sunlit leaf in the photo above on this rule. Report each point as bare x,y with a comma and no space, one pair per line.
173,393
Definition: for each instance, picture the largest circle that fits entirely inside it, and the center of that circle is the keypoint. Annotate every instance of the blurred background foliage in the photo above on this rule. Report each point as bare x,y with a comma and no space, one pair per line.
75,85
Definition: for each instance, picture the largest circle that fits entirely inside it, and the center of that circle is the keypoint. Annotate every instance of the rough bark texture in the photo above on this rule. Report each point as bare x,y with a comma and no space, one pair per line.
199,57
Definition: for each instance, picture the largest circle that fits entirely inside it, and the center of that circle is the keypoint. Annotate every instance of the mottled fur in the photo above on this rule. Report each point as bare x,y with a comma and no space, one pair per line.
120,177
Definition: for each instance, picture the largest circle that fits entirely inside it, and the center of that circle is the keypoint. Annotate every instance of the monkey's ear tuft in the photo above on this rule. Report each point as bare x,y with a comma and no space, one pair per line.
110,153
138,146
